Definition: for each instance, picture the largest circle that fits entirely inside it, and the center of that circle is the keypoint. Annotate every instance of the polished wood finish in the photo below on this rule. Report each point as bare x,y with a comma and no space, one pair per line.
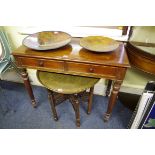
53,104
141,59
73,98
76,106
108,87
114,93
28,87
90,98
73,59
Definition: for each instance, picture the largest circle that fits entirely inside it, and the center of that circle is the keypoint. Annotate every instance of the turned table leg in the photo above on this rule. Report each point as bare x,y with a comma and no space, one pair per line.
108,87
90,100
28,87
112,100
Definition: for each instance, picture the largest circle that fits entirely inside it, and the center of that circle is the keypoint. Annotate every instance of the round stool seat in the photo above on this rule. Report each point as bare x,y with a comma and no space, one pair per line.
65,84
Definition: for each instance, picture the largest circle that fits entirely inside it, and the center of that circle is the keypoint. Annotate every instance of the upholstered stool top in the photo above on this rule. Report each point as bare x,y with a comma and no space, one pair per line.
65,84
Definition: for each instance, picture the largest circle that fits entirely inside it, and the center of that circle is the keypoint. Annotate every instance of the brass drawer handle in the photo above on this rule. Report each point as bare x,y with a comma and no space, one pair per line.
41,63
91,70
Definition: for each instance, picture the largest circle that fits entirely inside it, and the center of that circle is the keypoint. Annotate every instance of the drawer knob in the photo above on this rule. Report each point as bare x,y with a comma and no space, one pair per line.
91,69
41,63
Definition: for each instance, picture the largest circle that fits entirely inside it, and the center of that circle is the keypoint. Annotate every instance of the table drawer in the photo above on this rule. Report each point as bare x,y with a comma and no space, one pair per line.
41,63
92,69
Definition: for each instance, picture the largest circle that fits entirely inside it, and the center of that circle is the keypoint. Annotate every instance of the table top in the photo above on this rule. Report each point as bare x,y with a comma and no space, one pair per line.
74,52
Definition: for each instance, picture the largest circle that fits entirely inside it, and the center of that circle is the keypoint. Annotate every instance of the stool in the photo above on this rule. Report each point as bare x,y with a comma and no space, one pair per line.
61,87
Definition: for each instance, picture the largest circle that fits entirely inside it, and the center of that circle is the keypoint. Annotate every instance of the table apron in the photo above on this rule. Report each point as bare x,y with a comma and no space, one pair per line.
75,68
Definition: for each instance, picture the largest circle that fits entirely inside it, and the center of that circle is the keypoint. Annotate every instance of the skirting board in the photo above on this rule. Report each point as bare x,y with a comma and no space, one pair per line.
100,89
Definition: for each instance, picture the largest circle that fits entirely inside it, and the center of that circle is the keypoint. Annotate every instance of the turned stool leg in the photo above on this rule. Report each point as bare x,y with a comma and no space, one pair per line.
76,105
90,100
77,114
52,103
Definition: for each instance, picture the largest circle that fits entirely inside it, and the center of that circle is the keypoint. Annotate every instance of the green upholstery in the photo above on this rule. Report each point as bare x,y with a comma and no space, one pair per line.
65,84
150,50
145,34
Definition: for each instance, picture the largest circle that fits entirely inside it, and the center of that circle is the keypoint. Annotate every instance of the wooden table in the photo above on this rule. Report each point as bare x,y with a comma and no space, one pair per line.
73,59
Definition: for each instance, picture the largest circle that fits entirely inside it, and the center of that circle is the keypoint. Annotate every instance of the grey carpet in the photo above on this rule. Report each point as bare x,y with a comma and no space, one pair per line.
16,111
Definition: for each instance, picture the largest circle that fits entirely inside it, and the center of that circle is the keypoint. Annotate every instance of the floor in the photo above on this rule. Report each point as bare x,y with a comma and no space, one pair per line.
16,111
